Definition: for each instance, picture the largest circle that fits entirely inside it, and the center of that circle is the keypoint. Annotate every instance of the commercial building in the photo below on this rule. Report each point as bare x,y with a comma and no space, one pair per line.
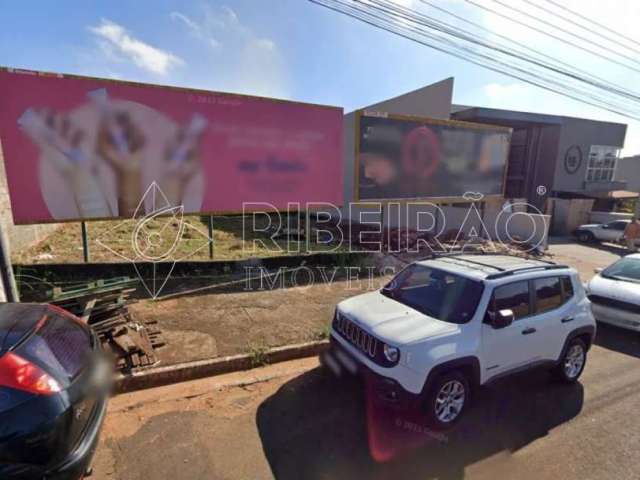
562,166
554,156
628,170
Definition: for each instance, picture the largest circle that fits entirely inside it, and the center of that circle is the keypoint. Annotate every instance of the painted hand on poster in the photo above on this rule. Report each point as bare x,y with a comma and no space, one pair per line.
120,143
63,146
121,149
182,159
209,151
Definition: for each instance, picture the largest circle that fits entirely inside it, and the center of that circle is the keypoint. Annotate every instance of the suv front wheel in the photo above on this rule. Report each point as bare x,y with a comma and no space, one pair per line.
572,362
447,400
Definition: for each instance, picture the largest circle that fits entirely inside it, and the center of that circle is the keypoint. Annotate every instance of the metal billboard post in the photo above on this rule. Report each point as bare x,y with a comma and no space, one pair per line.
210,225
85,242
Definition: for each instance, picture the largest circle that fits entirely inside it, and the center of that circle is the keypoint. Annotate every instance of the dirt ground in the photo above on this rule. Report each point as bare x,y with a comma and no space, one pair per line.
219,324
211,324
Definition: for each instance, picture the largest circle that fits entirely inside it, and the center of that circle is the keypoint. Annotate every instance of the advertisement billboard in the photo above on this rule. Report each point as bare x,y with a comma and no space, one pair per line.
79,148
419,158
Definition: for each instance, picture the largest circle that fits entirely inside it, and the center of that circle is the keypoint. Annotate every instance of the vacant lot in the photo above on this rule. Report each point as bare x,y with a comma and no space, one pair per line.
234,238
212,323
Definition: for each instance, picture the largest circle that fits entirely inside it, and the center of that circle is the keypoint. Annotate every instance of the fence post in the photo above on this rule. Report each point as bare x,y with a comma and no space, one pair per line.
210,225
85,242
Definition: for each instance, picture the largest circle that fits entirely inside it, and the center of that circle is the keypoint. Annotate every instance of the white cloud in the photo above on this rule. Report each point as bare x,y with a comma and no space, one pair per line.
196,29
117,43
244,61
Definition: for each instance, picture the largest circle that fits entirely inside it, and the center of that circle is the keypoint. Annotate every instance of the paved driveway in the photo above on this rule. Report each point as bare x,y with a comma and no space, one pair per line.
584,257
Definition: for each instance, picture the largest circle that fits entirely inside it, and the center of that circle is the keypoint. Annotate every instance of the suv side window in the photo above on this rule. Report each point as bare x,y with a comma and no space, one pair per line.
619,225
548,293
513,296
567,288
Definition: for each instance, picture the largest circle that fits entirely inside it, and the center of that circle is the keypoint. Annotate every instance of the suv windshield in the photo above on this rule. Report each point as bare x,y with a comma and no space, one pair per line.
436,293
627,269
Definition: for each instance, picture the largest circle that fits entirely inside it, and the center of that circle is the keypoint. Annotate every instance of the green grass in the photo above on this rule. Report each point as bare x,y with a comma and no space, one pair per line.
65,244
324,332
258,354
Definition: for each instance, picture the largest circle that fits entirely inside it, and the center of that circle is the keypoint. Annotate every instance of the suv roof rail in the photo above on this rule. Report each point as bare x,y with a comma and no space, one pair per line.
506,273
488,265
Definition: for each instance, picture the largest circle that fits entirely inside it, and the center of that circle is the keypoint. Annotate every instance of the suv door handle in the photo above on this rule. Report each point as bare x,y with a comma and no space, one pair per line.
528,331
567,319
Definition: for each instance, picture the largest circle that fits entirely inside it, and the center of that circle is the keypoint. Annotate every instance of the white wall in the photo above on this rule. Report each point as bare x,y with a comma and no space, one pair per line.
19,236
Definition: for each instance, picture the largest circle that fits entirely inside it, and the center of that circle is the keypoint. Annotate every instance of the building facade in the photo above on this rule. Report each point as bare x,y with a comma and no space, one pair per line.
554,156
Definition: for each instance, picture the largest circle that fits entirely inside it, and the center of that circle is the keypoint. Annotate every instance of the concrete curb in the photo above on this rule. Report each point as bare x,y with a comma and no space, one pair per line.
182,372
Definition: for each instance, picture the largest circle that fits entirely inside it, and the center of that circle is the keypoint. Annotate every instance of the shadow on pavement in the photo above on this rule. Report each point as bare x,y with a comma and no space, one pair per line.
316,426
618,339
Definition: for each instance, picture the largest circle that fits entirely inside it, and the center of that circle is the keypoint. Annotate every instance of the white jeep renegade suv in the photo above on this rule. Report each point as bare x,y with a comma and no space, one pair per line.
445,325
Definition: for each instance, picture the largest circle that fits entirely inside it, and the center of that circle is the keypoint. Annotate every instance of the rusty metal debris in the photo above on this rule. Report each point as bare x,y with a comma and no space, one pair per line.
103,305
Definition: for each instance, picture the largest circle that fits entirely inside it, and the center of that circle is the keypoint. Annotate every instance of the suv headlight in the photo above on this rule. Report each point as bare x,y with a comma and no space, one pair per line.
392,354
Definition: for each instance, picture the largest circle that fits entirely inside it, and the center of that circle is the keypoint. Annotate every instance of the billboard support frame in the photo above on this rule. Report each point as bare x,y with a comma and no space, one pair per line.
85,241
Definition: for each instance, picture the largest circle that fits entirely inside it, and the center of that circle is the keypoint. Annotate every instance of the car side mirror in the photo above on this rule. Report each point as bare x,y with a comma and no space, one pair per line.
598,270
502,318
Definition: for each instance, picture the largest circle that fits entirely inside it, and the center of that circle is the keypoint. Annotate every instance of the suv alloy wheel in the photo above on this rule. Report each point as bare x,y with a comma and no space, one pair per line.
447,400
573,361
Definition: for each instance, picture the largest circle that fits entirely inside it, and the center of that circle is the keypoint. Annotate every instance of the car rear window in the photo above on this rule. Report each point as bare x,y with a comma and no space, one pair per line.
60,346
548,293
567,287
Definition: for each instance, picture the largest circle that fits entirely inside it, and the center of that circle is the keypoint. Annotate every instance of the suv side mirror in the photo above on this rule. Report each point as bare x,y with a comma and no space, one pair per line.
502,318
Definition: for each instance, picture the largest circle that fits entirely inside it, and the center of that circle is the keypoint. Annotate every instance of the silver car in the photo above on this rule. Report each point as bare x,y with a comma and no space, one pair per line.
602,232
615,293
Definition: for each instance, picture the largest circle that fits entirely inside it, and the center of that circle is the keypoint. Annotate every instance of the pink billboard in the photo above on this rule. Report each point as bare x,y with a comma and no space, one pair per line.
78,148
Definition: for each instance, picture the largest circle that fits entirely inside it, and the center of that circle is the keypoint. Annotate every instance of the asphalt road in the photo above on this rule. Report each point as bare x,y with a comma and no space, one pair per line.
308,425
294,421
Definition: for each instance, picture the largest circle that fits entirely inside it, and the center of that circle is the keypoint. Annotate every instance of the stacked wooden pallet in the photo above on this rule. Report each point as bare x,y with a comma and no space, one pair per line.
103,305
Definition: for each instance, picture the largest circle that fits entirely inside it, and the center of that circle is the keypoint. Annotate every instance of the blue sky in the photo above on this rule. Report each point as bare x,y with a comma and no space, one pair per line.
286,48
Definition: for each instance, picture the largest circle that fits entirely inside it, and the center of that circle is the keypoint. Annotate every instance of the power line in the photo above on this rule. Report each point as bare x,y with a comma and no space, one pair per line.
410,15
543,32
618,88
593,22
363,13
567,32
592,32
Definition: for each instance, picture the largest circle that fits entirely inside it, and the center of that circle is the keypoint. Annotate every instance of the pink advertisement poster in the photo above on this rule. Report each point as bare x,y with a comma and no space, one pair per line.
79,148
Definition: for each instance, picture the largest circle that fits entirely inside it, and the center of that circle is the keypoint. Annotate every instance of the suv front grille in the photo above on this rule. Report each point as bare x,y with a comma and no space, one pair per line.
613,303
355,335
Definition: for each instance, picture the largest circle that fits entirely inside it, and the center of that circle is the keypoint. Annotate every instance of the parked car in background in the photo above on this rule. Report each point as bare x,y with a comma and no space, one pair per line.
54,384
602,232
446,325
615,293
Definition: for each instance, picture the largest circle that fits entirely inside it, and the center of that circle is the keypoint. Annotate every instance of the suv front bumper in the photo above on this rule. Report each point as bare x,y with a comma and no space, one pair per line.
384,389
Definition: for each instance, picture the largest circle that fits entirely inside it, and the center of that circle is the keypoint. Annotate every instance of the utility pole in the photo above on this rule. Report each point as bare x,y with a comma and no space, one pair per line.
6,270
